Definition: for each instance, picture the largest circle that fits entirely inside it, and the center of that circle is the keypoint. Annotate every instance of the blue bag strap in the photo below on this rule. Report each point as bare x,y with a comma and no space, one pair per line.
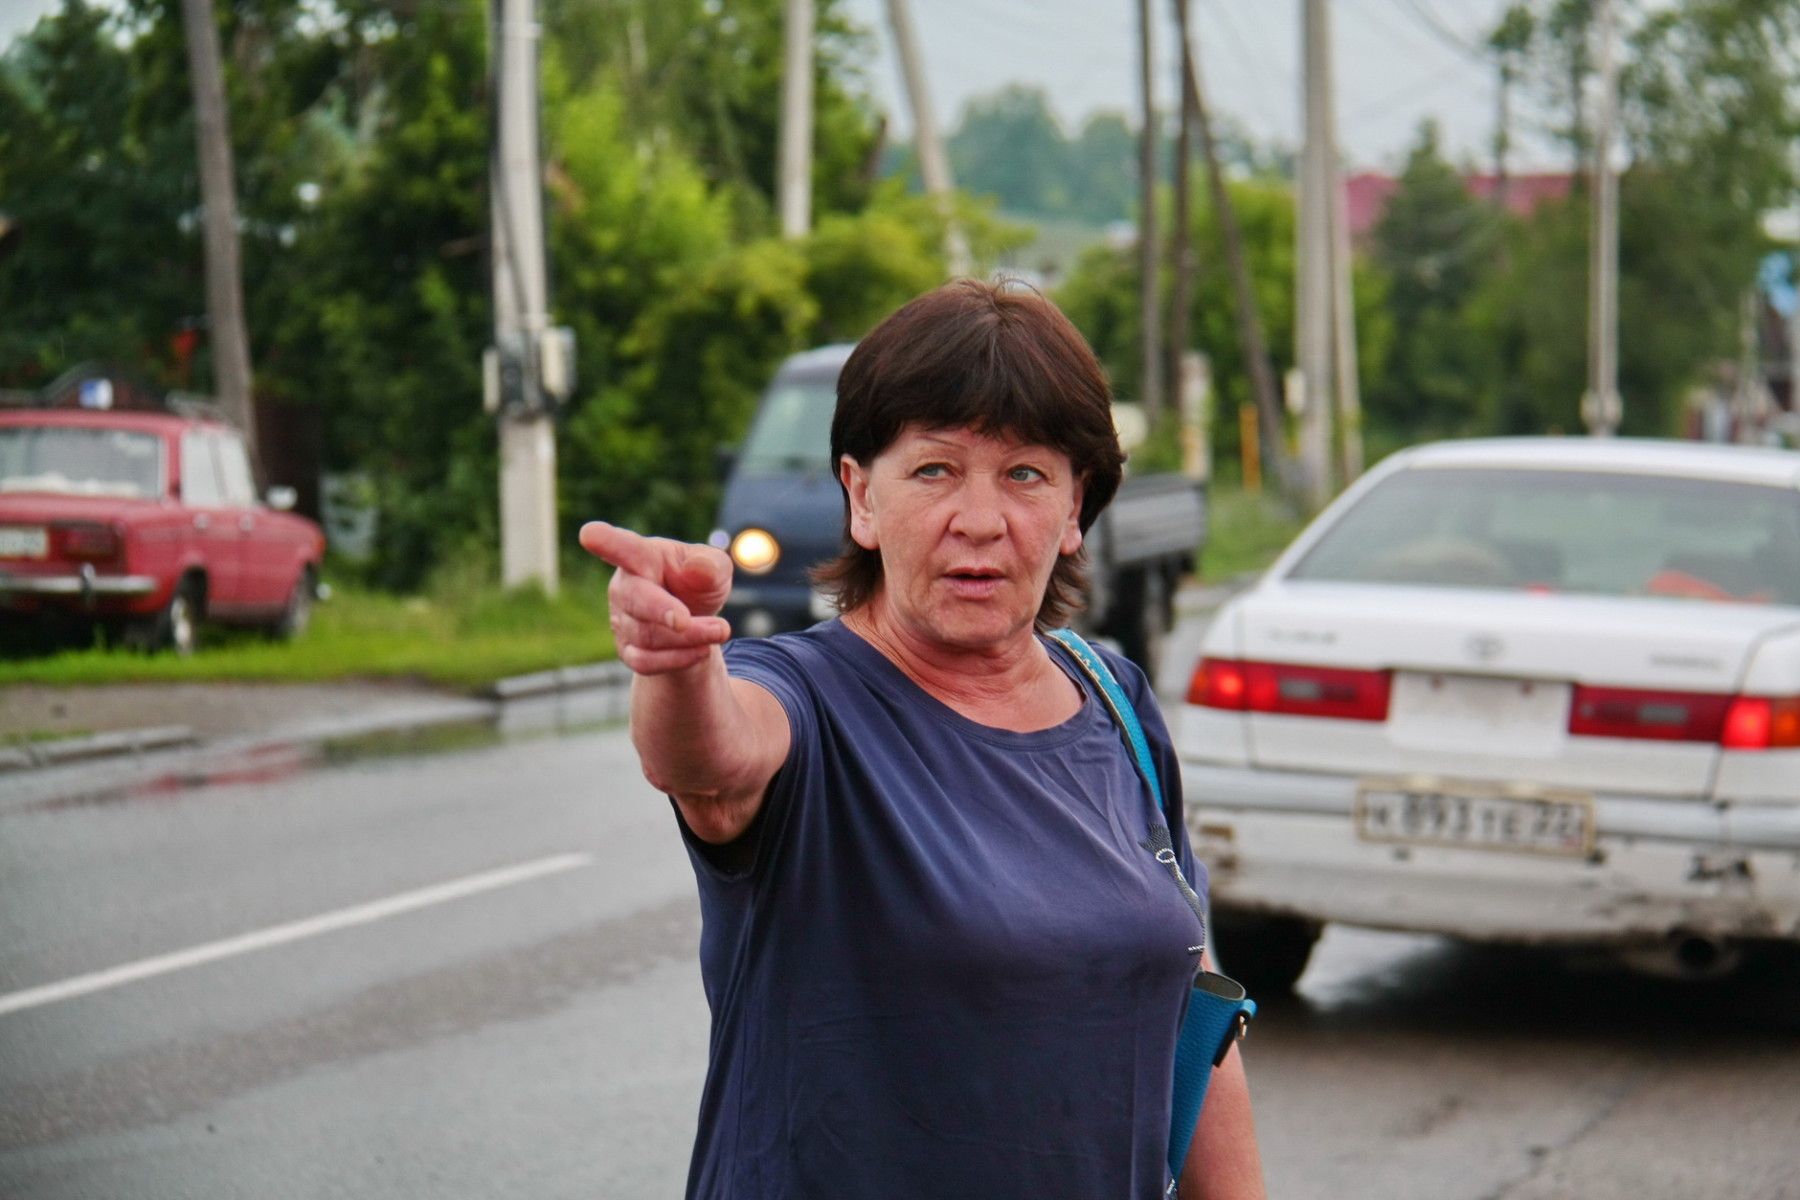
1120,703
1161,841
1217,1010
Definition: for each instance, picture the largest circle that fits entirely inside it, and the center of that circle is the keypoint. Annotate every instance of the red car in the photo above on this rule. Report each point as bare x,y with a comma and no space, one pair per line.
145,523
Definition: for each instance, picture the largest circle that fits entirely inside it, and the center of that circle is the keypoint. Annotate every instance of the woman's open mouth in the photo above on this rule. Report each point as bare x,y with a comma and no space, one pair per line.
974,583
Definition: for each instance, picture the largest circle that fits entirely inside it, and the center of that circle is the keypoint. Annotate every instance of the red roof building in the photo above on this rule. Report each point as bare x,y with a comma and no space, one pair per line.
1366,194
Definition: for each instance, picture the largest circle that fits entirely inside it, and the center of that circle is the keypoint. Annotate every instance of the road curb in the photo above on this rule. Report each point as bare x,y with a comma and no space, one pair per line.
562,679
488,704
96,745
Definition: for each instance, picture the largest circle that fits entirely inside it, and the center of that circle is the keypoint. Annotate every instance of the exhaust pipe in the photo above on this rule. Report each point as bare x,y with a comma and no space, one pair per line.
1684,955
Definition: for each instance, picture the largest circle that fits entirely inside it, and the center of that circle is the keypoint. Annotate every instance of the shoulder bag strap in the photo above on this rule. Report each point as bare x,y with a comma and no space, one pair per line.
1123,713
1161,842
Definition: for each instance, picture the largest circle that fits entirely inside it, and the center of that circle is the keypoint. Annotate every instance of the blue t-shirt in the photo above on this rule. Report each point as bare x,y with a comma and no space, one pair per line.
942,962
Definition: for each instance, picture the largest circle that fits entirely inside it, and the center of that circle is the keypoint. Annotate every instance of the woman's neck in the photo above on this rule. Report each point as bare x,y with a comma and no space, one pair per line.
1013,685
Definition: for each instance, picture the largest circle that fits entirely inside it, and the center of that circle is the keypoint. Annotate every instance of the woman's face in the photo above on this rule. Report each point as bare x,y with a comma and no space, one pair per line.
968,527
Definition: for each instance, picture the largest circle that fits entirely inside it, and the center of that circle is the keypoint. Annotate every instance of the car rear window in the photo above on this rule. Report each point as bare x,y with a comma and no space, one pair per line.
80,461
1591,532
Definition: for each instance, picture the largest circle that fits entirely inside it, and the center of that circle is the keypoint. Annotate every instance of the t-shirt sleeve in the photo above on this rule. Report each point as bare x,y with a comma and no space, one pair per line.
1162,753
772,666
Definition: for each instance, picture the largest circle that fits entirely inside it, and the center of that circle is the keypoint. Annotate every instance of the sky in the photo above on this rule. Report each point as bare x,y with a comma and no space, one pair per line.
1396,62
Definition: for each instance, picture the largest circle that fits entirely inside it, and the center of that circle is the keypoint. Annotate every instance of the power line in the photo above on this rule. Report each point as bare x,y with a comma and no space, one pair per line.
1361,113
1239,66
1450,37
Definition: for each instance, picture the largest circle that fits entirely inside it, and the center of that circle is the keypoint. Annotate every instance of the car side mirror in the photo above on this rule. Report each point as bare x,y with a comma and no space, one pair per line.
281,498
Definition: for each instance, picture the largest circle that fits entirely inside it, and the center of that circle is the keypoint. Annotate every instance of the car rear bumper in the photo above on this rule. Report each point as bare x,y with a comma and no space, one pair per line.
86,582
1283,841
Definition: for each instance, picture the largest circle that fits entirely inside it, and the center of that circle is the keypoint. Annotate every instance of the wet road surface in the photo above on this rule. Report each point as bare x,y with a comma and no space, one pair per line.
459,964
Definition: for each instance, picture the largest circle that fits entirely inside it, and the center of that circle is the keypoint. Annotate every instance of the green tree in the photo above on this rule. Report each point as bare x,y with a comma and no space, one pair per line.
1102,169
1709,109
704,79
106,264
1009,146
1435,244
1100,296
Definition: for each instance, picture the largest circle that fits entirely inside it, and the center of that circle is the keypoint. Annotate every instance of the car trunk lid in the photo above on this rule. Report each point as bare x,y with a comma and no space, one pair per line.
1482,683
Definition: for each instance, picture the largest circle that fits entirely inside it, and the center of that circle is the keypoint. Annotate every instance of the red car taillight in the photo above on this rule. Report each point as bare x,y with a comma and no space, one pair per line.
1762,723
1218,683
1734,722
87,542
1655,715
1290,689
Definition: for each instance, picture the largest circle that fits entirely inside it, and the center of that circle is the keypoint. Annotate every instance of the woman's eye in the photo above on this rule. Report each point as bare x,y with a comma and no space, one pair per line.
931,470
1024,474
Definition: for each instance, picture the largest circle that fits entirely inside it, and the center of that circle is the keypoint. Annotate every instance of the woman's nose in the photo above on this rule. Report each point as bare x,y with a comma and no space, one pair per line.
978,514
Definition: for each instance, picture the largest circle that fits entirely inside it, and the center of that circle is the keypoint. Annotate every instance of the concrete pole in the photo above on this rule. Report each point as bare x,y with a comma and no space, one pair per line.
1601,408
1312,351
228,331
1343,308
934,164
794,188
1181,247
1194,389
527,435
1150,386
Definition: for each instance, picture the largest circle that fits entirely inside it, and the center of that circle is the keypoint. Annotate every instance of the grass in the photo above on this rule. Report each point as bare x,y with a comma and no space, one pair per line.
27,737
462,637
1247,531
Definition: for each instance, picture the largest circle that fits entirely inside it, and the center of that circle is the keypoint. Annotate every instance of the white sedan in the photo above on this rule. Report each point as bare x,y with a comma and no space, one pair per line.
1516,690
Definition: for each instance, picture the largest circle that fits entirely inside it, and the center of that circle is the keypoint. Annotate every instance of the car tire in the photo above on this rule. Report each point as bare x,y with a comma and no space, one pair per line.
1144,618
297,614
1265,952
176,628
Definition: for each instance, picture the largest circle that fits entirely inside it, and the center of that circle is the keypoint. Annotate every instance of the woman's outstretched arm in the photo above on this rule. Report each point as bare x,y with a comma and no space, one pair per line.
710,741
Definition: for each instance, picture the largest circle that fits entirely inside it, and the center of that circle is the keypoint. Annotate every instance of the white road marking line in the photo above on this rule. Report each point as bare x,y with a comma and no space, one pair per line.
291,931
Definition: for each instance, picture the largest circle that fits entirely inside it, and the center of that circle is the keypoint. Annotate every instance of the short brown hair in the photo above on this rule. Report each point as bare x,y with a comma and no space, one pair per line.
996,358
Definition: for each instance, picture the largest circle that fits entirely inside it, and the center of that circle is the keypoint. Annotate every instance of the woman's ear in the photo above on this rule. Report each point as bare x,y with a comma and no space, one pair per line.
855,479
1071,535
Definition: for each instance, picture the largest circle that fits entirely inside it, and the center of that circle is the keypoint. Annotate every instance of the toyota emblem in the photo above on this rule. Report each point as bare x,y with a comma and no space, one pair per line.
1485,647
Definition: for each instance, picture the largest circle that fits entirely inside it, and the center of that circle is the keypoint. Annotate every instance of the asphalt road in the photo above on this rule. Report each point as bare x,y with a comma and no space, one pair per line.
465,967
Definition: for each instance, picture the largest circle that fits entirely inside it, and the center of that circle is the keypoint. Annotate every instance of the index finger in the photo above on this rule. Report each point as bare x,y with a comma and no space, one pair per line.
622,548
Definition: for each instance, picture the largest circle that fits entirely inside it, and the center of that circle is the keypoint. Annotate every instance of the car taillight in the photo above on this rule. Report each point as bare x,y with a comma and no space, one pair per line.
1217,683
1734,722
1762,723
87,542
1655,715
1290,689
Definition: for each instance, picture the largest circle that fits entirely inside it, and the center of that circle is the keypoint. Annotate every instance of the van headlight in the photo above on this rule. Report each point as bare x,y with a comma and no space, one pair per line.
755,551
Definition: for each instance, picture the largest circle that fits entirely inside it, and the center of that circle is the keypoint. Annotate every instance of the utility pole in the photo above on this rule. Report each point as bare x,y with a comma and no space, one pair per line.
1269,425
218,200
794,188
934,165
521,319
1601,408
1150,386
1343,319
1313,324
1181,247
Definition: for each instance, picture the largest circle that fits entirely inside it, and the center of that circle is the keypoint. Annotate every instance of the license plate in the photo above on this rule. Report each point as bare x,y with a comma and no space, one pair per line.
1560,823
23,542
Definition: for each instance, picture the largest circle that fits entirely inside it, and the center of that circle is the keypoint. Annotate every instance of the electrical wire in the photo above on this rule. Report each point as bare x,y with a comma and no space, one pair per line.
1429,19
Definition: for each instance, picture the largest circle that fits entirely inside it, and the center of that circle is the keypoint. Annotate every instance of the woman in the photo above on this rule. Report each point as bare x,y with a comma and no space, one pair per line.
940,959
